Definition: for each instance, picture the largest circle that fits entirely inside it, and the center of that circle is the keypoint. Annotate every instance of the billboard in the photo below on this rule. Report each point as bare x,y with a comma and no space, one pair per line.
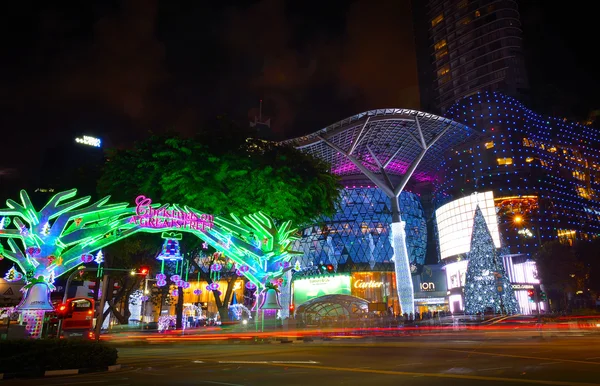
310,288
455,223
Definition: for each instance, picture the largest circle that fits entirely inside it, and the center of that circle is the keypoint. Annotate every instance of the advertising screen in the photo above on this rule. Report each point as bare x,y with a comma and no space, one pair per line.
306,289
455,223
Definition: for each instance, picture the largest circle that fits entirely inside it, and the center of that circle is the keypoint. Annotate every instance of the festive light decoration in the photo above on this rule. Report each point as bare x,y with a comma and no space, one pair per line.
46,229
486,286
33,251
197,291
250,286
13,275
212,287
165,322
161,283
65,229
215,271
175,278
99,258
170,251
161,276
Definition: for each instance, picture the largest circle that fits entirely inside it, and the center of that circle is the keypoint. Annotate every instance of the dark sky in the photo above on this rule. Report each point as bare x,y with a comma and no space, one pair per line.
118,69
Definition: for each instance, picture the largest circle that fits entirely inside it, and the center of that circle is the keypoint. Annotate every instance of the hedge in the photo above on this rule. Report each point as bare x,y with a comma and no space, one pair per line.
37,356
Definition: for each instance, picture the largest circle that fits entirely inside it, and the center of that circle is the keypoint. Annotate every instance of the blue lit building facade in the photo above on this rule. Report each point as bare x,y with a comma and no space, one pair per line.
544,171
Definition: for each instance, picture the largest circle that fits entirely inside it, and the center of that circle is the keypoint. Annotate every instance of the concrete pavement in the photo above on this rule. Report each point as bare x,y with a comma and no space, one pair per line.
419,360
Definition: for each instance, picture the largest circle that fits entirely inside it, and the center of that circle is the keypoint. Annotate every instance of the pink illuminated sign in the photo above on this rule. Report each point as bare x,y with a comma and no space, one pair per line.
168,217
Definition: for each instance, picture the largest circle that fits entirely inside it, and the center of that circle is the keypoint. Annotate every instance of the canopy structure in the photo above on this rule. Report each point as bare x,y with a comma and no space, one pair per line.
383,144
392,138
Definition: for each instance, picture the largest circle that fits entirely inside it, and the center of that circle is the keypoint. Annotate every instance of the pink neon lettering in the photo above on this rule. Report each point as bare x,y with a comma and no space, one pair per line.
165,217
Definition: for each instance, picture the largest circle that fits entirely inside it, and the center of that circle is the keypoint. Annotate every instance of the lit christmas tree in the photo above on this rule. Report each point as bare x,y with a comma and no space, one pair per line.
486,285
13,275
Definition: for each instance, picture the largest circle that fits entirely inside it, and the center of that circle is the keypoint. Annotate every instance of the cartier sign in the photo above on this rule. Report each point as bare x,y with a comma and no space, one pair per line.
367,284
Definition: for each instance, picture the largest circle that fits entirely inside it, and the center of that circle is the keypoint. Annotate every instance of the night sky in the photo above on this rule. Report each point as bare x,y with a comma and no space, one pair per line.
118,69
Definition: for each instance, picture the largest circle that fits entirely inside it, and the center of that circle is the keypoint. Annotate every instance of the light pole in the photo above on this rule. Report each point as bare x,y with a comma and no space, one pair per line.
144,302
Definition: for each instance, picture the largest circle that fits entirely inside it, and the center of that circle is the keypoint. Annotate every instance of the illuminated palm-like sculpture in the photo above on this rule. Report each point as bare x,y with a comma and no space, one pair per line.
50,242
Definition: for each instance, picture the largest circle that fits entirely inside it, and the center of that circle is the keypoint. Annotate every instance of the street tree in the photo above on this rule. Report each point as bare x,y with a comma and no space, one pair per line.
224,175
560,272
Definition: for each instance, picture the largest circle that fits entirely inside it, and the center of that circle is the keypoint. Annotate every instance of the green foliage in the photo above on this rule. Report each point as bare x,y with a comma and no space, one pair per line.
558,267
222,173
564,270
36,356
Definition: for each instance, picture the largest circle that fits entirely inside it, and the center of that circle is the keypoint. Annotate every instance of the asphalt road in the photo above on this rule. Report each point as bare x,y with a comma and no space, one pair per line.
418,360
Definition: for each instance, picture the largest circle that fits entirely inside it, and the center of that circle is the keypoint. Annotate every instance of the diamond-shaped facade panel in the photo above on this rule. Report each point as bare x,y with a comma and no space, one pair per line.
357,237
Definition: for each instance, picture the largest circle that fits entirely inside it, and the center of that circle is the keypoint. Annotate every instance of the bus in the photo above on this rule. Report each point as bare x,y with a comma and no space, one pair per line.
77,316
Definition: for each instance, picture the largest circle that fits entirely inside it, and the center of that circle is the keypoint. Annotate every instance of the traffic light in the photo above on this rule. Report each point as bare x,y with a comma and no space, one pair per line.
543,296
330,268
292,308
531,294
144,270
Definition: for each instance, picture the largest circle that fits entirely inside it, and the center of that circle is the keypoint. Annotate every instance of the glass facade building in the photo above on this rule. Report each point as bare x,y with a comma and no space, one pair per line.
357,237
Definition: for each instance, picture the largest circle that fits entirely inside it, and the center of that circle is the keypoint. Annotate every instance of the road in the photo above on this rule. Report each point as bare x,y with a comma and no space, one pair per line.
412,360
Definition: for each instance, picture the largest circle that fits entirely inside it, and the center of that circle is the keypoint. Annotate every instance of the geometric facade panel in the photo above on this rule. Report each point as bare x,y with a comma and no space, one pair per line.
357,236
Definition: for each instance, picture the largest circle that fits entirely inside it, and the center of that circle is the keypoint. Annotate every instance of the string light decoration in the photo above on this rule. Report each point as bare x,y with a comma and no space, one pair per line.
487,286
548,163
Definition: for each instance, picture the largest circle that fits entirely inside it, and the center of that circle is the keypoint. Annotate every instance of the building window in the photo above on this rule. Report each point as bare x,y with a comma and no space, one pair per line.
441,44
443,71
505,161
477,13
441,54
437,20
584,193
579,175
464,21
566,236
463,4
489,145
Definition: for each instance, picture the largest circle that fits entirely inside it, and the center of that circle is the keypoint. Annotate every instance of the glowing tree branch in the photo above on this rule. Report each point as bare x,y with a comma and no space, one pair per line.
55,238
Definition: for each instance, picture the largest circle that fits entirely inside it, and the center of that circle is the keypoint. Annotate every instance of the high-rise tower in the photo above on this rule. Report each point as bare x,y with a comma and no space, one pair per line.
468,46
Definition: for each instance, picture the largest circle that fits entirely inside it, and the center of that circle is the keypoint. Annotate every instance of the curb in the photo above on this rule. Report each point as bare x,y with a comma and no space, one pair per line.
56,373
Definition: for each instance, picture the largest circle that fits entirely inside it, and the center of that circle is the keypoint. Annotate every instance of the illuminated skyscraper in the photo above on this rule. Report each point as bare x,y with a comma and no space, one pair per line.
468,46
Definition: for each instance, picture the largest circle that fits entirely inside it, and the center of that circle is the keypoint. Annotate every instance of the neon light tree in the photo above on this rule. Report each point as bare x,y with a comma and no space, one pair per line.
56,238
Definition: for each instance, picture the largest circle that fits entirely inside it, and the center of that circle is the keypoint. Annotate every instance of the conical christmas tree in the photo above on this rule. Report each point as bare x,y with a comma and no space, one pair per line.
170,251
487,287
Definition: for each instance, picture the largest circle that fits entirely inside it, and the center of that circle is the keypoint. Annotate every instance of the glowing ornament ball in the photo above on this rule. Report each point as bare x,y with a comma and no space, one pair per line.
87,258
197,291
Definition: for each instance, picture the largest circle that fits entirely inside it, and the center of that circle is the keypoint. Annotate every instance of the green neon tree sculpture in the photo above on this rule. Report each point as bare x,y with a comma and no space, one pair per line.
53,239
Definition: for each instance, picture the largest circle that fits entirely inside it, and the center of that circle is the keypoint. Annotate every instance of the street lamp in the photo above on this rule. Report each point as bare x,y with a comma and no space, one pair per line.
144,302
